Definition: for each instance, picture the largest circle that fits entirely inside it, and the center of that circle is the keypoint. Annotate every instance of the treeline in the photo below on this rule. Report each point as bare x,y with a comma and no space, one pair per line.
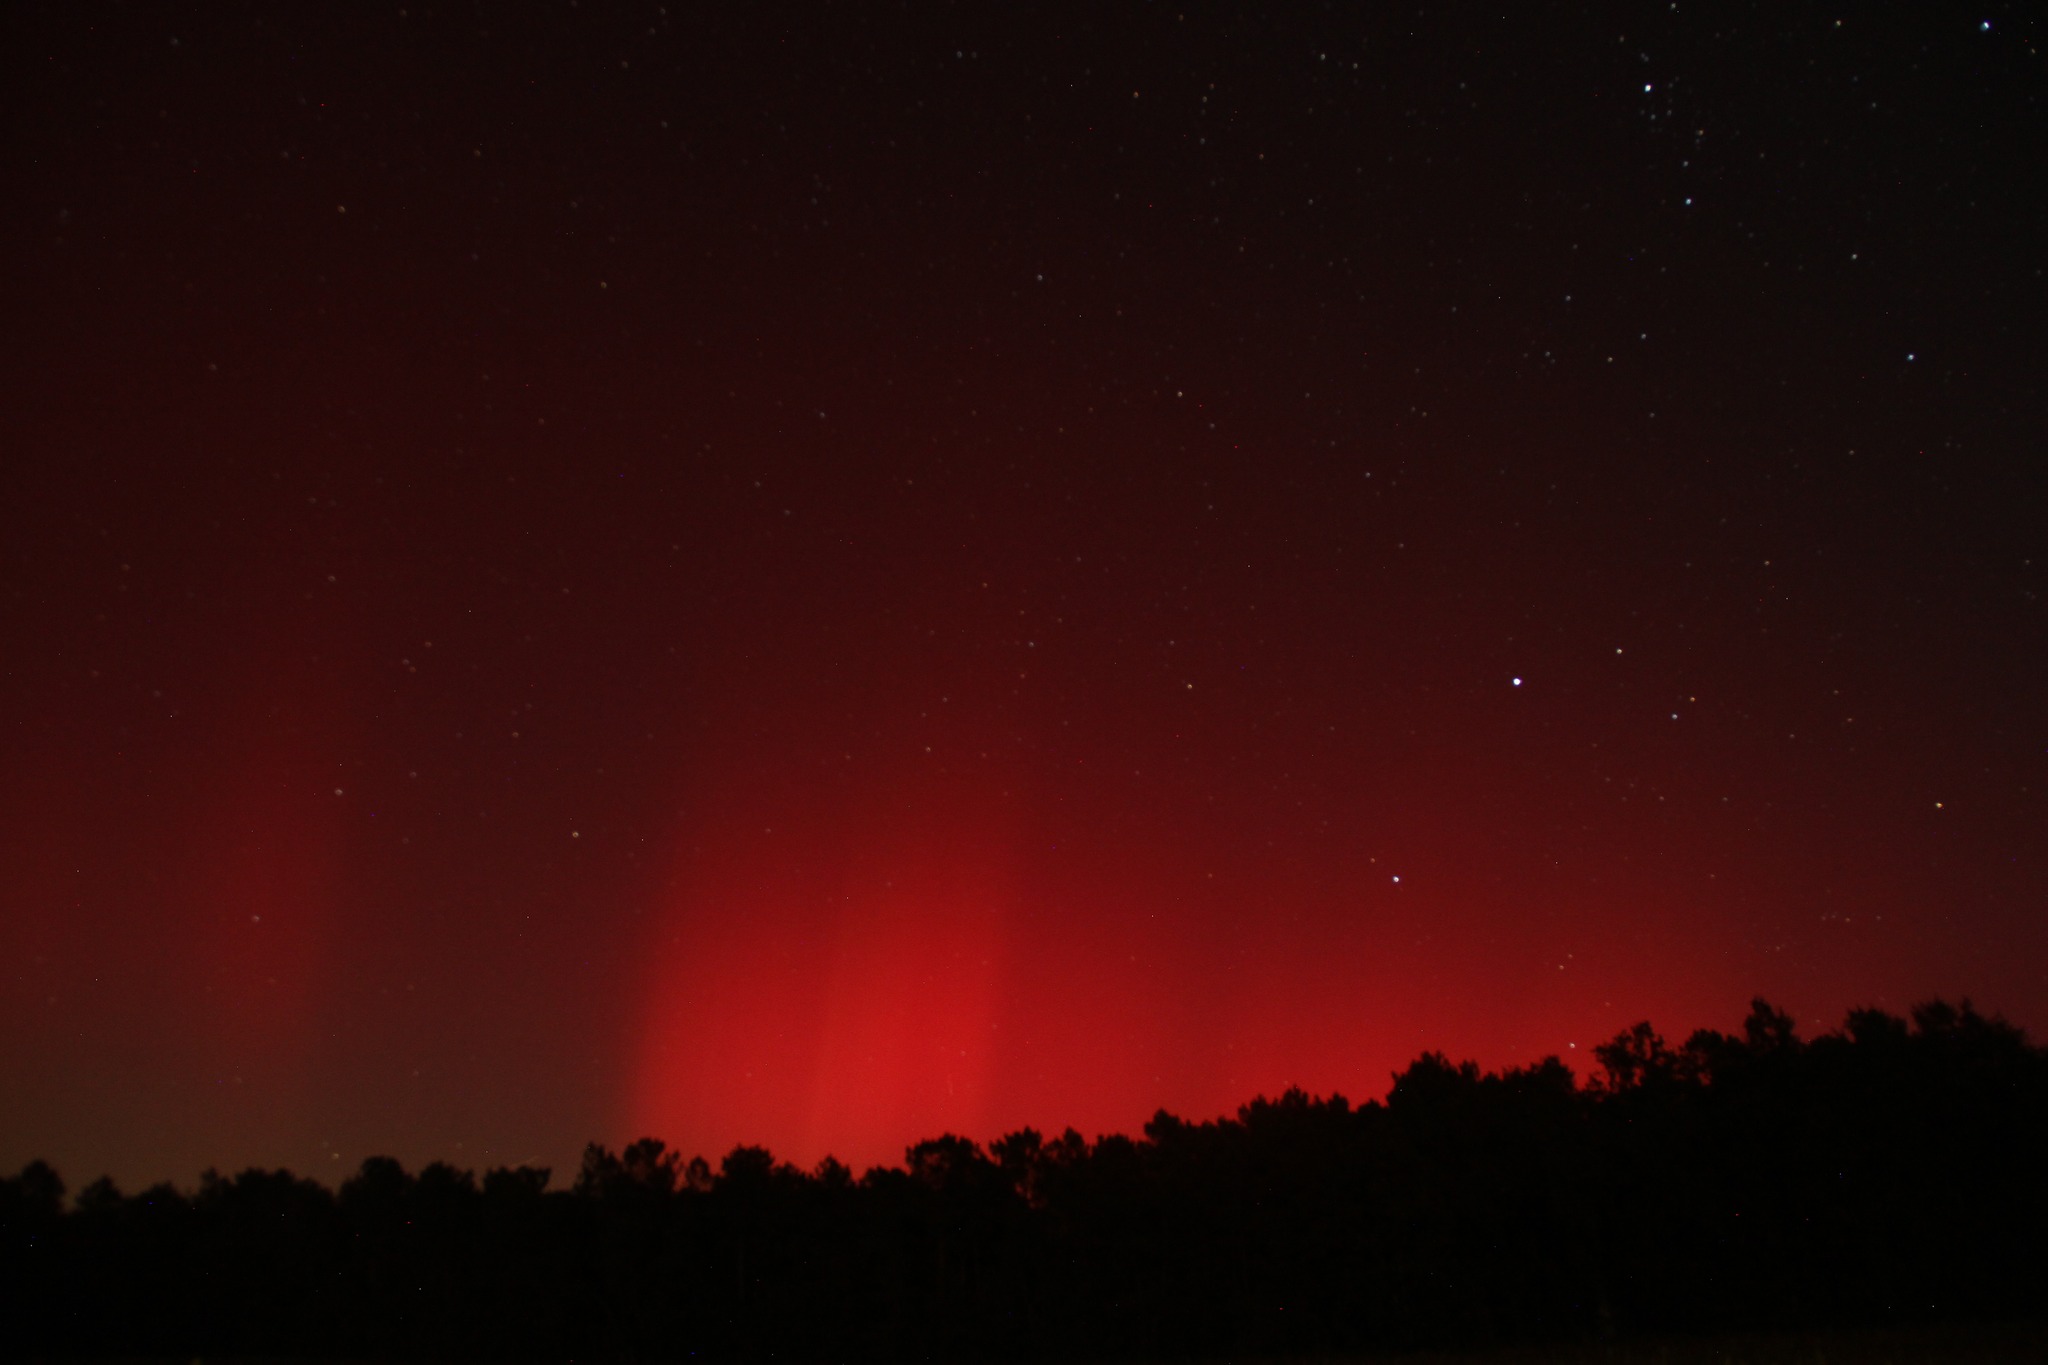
1890,1172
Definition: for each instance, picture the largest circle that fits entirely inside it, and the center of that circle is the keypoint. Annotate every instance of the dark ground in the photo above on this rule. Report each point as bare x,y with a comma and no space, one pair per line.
1950,1344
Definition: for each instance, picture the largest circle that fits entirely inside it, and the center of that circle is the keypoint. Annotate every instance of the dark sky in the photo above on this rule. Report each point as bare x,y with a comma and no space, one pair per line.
578,571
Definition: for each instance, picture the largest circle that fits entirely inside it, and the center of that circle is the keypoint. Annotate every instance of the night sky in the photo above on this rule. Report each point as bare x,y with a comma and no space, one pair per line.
823,575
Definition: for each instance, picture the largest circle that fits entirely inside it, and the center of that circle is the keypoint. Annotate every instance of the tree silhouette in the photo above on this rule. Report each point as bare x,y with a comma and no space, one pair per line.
1884,1173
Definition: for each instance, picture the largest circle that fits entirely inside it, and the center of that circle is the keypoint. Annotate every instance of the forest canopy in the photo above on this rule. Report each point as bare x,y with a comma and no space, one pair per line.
1887,1172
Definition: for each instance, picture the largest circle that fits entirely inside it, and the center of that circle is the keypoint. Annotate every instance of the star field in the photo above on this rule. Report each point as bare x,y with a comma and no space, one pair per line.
669,569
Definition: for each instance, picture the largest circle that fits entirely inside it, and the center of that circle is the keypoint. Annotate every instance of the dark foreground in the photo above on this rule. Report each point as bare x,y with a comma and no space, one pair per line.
1950,1344
1888,1180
